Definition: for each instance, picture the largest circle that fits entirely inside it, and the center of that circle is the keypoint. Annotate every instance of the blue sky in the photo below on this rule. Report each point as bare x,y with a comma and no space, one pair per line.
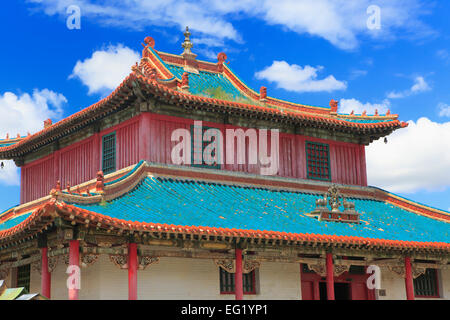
323,49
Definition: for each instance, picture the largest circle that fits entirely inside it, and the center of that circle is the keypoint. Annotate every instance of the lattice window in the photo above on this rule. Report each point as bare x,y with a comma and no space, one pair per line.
227,282
198,146
318,161
23,277
427,284
109,153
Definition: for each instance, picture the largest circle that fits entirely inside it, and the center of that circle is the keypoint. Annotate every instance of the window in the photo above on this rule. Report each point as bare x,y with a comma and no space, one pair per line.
109,153
357,270
426,285
198,146
227,282
23,277
318,161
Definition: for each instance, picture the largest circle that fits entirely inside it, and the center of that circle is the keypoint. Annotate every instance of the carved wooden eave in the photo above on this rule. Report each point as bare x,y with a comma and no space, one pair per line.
229,265
119,260
145,261
52,263
321,269
5,268
399,270
88,259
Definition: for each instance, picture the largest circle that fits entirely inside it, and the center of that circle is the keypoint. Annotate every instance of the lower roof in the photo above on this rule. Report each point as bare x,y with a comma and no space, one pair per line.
197,203
158,198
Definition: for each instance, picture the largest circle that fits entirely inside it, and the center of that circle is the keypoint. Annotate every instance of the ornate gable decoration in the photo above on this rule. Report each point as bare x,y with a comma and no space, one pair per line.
335,199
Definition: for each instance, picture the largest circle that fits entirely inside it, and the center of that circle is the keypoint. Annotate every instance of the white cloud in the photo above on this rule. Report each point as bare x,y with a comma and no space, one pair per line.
444,55
349,105
202,16
296,78
354,74
415,158
26,113
444,110
341,22
420,85
105,69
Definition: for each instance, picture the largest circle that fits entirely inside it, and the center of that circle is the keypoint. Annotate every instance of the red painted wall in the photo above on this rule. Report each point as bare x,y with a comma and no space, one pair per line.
148,137
79,162
35,178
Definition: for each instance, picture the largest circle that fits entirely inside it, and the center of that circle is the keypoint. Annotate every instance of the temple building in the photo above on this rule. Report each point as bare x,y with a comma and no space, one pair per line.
184,183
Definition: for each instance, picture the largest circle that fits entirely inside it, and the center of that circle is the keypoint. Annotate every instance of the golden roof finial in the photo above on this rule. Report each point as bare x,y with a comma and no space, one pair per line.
187,44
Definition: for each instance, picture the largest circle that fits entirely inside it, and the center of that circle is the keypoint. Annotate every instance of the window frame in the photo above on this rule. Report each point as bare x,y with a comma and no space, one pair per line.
115,152
233,276
19,272
307,153
436,279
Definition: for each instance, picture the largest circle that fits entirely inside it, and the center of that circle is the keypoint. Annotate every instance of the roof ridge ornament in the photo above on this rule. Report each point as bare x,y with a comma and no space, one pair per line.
187,44
221,58
184,85
149,42
190,64
335,200
263,94
333,106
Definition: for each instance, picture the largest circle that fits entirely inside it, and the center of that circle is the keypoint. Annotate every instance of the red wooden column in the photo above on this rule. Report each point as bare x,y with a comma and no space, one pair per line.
409,279
238,286
330,277
46,278
132,271
144,136
74,260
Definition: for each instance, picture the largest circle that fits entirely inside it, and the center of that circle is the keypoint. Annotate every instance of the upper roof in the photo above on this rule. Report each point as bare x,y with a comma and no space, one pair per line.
170,199
194,84
10,141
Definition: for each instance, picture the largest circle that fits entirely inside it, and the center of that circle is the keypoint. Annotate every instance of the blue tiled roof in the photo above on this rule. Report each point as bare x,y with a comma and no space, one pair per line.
194,203
5,143
199,83
14,221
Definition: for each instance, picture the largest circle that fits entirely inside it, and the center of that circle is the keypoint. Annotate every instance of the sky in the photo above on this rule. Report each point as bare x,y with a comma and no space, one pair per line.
60,56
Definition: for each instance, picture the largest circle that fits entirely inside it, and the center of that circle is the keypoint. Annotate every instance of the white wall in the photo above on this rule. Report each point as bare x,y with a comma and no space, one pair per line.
171,278
395,286
184,278
444,290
